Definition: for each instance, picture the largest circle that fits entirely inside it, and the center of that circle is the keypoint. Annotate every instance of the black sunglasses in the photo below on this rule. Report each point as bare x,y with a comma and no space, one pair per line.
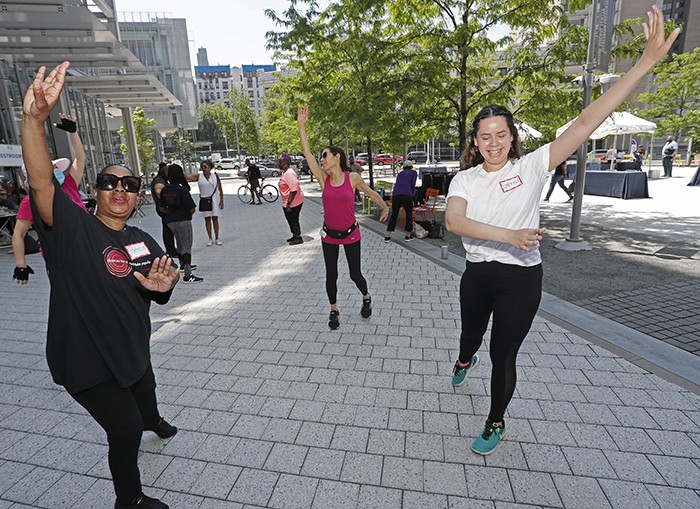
324,155
109,182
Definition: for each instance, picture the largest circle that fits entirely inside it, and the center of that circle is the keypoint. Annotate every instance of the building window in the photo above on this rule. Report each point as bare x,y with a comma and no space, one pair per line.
225,85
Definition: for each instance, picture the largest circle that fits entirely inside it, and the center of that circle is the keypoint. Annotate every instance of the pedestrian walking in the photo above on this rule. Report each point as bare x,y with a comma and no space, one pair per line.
211,199
494,206
357,168
157,185
104,275
558,177
340,227
402,197
668,155
176,197
69,175
292,198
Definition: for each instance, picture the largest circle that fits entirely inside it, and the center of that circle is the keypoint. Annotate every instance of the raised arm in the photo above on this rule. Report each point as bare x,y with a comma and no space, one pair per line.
40,99
302,118
69,125
594,115
358,183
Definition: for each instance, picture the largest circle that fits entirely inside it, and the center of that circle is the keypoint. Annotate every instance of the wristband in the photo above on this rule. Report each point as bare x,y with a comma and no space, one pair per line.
67,125
22,273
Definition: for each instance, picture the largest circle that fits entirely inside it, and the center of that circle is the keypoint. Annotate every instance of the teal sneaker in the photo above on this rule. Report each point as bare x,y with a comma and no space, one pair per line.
459,375
492,435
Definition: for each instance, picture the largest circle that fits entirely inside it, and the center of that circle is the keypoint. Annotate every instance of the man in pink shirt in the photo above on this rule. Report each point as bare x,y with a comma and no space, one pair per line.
292,198
69,175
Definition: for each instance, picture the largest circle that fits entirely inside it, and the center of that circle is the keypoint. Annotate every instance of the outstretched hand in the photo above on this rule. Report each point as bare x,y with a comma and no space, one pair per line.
43,94
161,278
303,114
67,124
526,238
657,44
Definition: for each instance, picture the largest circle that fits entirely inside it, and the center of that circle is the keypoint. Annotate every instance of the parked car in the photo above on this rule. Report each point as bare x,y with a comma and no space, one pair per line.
229,163
418,156
362,158
304,167
264,171
386,159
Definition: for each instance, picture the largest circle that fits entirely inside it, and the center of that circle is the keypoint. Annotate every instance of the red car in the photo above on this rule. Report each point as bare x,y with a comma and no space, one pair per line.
386,159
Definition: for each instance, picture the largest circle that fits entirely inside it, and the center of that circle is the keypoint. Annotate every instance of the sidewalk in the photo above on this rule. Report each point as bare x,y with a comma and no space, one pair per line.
275,410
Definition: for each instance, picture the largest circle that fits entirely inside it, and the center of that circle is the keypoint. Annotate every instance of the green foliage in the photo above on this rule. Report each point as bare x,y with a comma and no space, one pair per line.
279,131
675,105
143,128
182,141
244,117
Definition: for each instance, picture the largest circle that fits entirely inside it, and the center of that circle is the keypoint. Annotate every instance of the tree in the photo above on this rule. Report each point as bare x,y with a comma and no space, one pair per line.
279,131
243,119
675,105
143,127
184,147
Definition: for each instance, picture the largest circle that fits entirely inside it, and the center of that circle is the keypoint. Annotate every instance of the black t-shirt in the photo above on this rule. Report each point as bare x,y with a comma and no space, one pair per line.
560,169
179,203
99,324
254,172
156,199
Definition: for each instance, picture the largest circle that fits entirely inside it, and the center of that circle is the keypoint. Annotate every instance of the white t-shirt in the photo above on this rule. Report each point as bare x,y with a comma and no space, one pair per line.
670,146
508,198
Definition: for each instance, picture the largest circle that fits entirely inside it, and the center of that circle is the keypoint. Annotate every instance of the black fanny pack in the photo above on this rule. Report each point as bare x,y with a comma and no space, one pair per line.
339,234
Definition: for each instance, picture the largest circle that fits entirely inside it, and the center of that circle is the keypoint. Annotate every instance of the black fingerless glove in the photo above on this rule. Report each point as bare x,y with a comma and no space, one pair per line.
22,273
67,125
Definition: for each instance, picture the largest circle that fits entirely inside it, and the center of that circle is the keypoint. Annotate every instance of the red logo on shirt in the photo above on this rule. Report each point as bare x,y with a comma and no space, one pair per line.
511,183
117,262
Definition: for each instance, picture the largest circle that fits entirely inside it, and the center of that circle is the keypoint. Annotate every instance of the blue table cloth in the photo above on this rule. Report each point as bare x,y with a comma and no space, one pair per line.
617,184
695,181
595,165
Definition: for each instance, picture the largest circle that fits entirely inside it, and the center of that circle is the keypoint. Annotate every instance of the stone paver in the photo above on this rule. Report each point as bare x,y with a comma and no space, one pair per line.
275,410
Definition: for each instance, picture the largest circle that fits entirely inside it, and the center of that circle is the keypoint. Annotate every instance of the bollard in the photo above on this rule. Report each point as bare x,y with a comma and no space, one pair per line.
443,254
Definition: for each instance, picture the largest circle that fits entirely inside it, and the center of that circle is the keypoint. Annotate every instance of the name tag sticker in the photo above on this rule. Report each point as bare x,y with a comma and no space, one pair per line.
138,250
511,183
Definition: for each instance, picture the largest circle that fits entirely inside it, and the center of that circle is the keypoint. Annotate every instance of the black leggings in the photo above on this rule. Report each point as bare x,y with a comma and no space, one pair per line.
512,293
123,414
330,256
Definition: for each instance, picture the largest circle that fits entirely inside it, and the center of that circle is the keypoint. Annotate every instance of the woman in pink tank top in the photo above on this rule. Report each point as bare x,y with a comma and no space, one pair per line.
338,186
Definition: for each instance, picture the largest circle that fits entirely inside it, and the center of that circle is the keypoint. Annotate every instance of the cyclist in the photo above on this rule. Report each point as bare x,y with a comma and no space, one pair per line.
253,175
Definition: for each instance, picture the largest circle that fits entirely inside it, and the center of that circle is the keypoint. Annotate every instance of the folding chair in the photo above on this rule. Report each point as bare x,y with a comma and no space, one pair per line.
140,202
431,197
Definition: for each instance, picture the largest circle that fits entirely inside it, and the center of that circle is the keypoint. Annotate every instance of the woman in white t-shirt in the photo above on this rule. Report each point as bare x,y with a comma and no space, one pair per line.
494,206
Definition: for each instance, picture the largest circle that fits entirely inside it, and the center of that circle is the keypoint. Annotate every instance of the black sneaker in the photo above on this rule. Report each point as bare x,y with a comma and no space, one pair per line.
387,239
366,310
193,267
164,429
333,320
290,238
571,198
295,241
193,279
143,502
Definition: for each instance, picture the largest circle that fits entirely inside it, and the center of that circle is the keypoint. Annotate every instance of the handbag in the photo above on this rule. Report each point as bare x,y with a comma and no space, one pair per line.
207,204
339,234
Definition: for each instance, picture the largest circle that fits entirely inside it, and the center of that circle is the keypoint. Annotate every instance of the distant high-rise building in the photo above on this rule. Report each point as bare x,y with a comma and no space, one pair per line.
202,58
214,82
161,45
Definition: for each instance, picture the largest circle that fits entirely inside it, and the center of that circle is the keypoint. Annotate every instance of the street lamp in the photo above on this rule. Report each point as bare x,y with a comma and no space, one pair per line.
226,144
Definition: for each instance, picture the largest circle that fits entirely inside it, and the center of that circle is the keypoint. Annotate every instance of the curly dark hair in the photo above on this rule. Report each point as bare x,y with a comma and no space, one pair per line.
471,157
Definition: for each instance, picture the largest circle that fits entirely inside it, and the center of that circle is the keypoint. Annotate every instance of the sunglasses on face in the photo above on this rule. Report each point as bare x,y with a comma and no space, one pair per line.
324,155
109,182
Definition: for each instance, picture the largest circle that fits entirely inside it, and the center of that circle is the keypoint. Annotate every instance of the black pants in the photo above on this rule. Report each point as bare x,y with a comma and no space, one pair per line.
396,203
123,414
168,238
330,257
292,217
512,293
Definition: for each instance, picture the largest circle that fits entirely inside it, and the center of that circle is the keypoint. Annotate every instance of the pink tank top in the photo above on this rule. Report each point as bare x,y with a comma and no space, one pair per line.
339,210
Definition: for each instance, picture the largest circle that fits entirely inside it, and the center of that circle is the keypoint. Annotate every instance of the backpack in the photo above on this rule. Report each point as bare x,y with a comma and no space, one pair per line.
436,231
418,231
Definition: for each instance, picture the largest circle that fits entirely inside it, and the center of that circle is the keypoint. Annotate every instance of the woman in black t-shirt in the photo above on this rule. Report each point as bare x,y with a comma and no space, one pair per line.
176,197
104,275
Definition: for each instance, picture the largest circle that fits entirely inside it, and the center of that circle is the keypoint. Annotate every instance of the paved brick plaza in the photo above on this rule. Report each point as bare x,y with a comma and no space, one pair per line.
275,410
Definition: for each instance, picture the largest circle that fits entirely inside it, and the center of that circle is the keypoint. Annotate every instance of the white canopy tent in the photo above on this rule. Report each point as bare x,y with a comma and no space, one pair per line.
526,131
616,124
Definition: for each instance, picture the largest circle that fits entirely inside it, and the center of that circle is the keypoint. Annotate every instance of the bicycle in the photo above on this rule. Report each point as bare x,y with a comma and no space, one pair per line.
268,192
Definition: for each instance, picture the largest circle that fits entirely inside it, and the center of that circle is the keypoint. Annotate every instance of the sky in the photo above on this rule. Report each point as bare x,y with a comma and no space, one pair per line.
233,31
